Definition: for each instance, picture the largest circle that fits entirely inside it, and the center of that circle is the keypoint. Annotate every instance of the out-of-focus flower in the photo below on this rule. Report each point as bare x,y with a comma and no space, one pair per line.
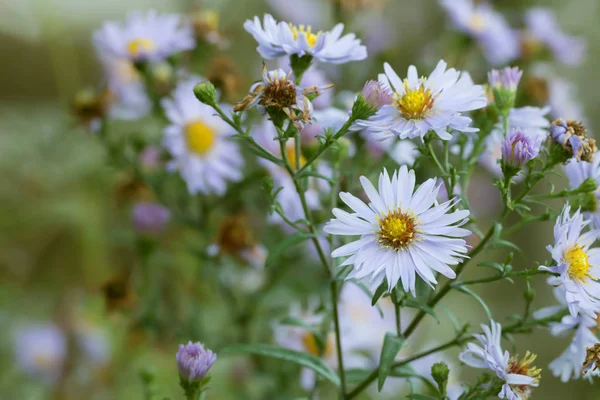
577,264
402,229
308,12
94,342
360,5
206,27
519,148
150,158
500,43
145,37
543,25
194,361
90,106
507,78
578,172
224,75
198,141
40,351
423,104
235,237
547,87
519,375
280,39
150,218
118,294
379,34
572,137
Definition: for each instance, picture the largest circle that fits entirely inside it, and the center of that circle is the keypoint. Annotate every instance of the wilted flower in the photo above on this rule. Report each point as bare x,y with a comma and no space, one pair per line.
194,361
281,39
404,233
592,359
519,148
577,263
145,37
500,43
518,374
542,25
572,137
235,237
90,106
507,78
150,218
40,351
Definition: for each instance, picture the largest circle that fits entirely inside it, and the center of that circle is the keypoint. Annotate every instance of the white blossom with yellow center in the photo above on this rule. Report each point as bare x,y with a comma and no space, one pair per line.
435,103
41,351
277,39
577,263
403,232
199,143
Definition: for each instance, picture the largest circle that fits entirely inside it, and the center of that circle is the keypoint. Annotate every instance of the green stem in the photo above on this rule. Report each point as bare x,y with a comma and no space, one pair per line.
527,272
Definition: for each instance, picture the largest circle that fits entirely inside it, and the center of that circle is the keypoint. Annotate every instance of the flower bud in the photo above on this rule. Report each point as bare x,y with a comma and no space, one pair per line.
440,373
194,361
518,149
504,85
206,93
572,137
588,185
376,94
150,218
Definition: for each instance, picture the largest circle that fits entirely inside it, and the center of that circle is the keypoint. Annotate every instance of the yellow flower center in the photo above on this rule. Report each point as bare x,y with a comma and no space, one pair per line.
579,263
396,230
524,367
477,22
311,38
309,341
43,360
199,137
414,103
291,156
137,47
207,20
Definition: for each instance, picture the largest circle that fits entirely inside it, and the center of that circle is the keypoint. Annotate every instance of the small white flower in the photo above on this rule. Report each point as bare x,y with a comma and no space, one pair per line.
281,39
199,143
145,37
423,104
519,375
579,171
578,265
41,350
403,232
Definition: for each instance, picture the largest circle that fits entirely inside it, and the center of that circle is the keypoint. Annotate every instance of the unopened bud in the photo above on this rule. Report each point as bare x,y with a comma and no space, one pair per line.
206,93
440,373
588,185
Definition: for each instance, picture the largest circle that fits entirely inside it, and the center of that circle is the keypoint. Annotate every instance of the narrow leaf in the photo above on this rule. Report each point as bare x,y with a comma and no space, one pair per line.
391,346
379,292
468,291
412,303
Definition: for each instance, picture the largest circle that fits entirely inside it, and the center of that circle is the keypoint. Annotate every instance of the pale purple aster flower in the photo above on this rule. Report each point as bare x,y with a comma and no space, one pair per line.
145,36
150,218
40,351
543,25
377,95
577,172
519,148
420,105
500,43
507,78
194,361
276,39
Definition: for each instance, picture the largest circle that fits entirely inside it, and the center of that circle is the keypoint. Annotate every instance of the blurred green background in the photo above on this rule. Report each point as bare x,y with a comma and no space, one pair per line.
63,233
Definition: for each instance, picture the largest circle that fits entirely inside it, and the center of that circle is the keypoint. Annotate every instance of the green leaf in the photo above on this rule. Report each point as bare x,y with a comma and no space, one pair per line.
306,173
391,346
407,372
468,291
494,265
412,303
284,245
298,357
379,292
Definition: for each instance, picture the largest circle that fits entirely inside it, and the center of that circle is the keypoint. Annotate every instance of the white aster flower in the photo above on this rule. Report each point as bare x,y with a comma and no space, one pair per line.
579,171
499,42
280,39
199,143
578,265
519,375
403,232
145,37
435,103
40,351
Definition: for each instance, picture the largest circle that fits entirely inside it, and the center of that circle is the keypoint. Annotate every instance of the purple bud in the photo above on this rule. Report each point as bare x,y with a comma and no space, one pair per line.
508,78
194,361
150,218
376,94
519,147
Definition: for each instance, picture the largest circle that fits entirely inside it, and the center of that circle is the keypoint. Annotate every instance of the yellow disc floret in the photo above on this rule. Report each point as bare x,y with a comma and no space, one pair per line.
311,38
579,263
396,230
199,137
291,156
311,346
414,103
140,46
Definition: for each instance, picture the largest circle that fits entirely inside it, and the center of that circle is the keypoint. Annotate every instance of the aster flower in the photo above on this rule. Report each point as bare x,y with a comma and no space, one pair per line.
277,90
423,104
194,361
40,351
499,42
519,376
145,37
577,172
199,143
403,232
281,39
519,148
543,25
577,264
236,238
150,218
572,137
